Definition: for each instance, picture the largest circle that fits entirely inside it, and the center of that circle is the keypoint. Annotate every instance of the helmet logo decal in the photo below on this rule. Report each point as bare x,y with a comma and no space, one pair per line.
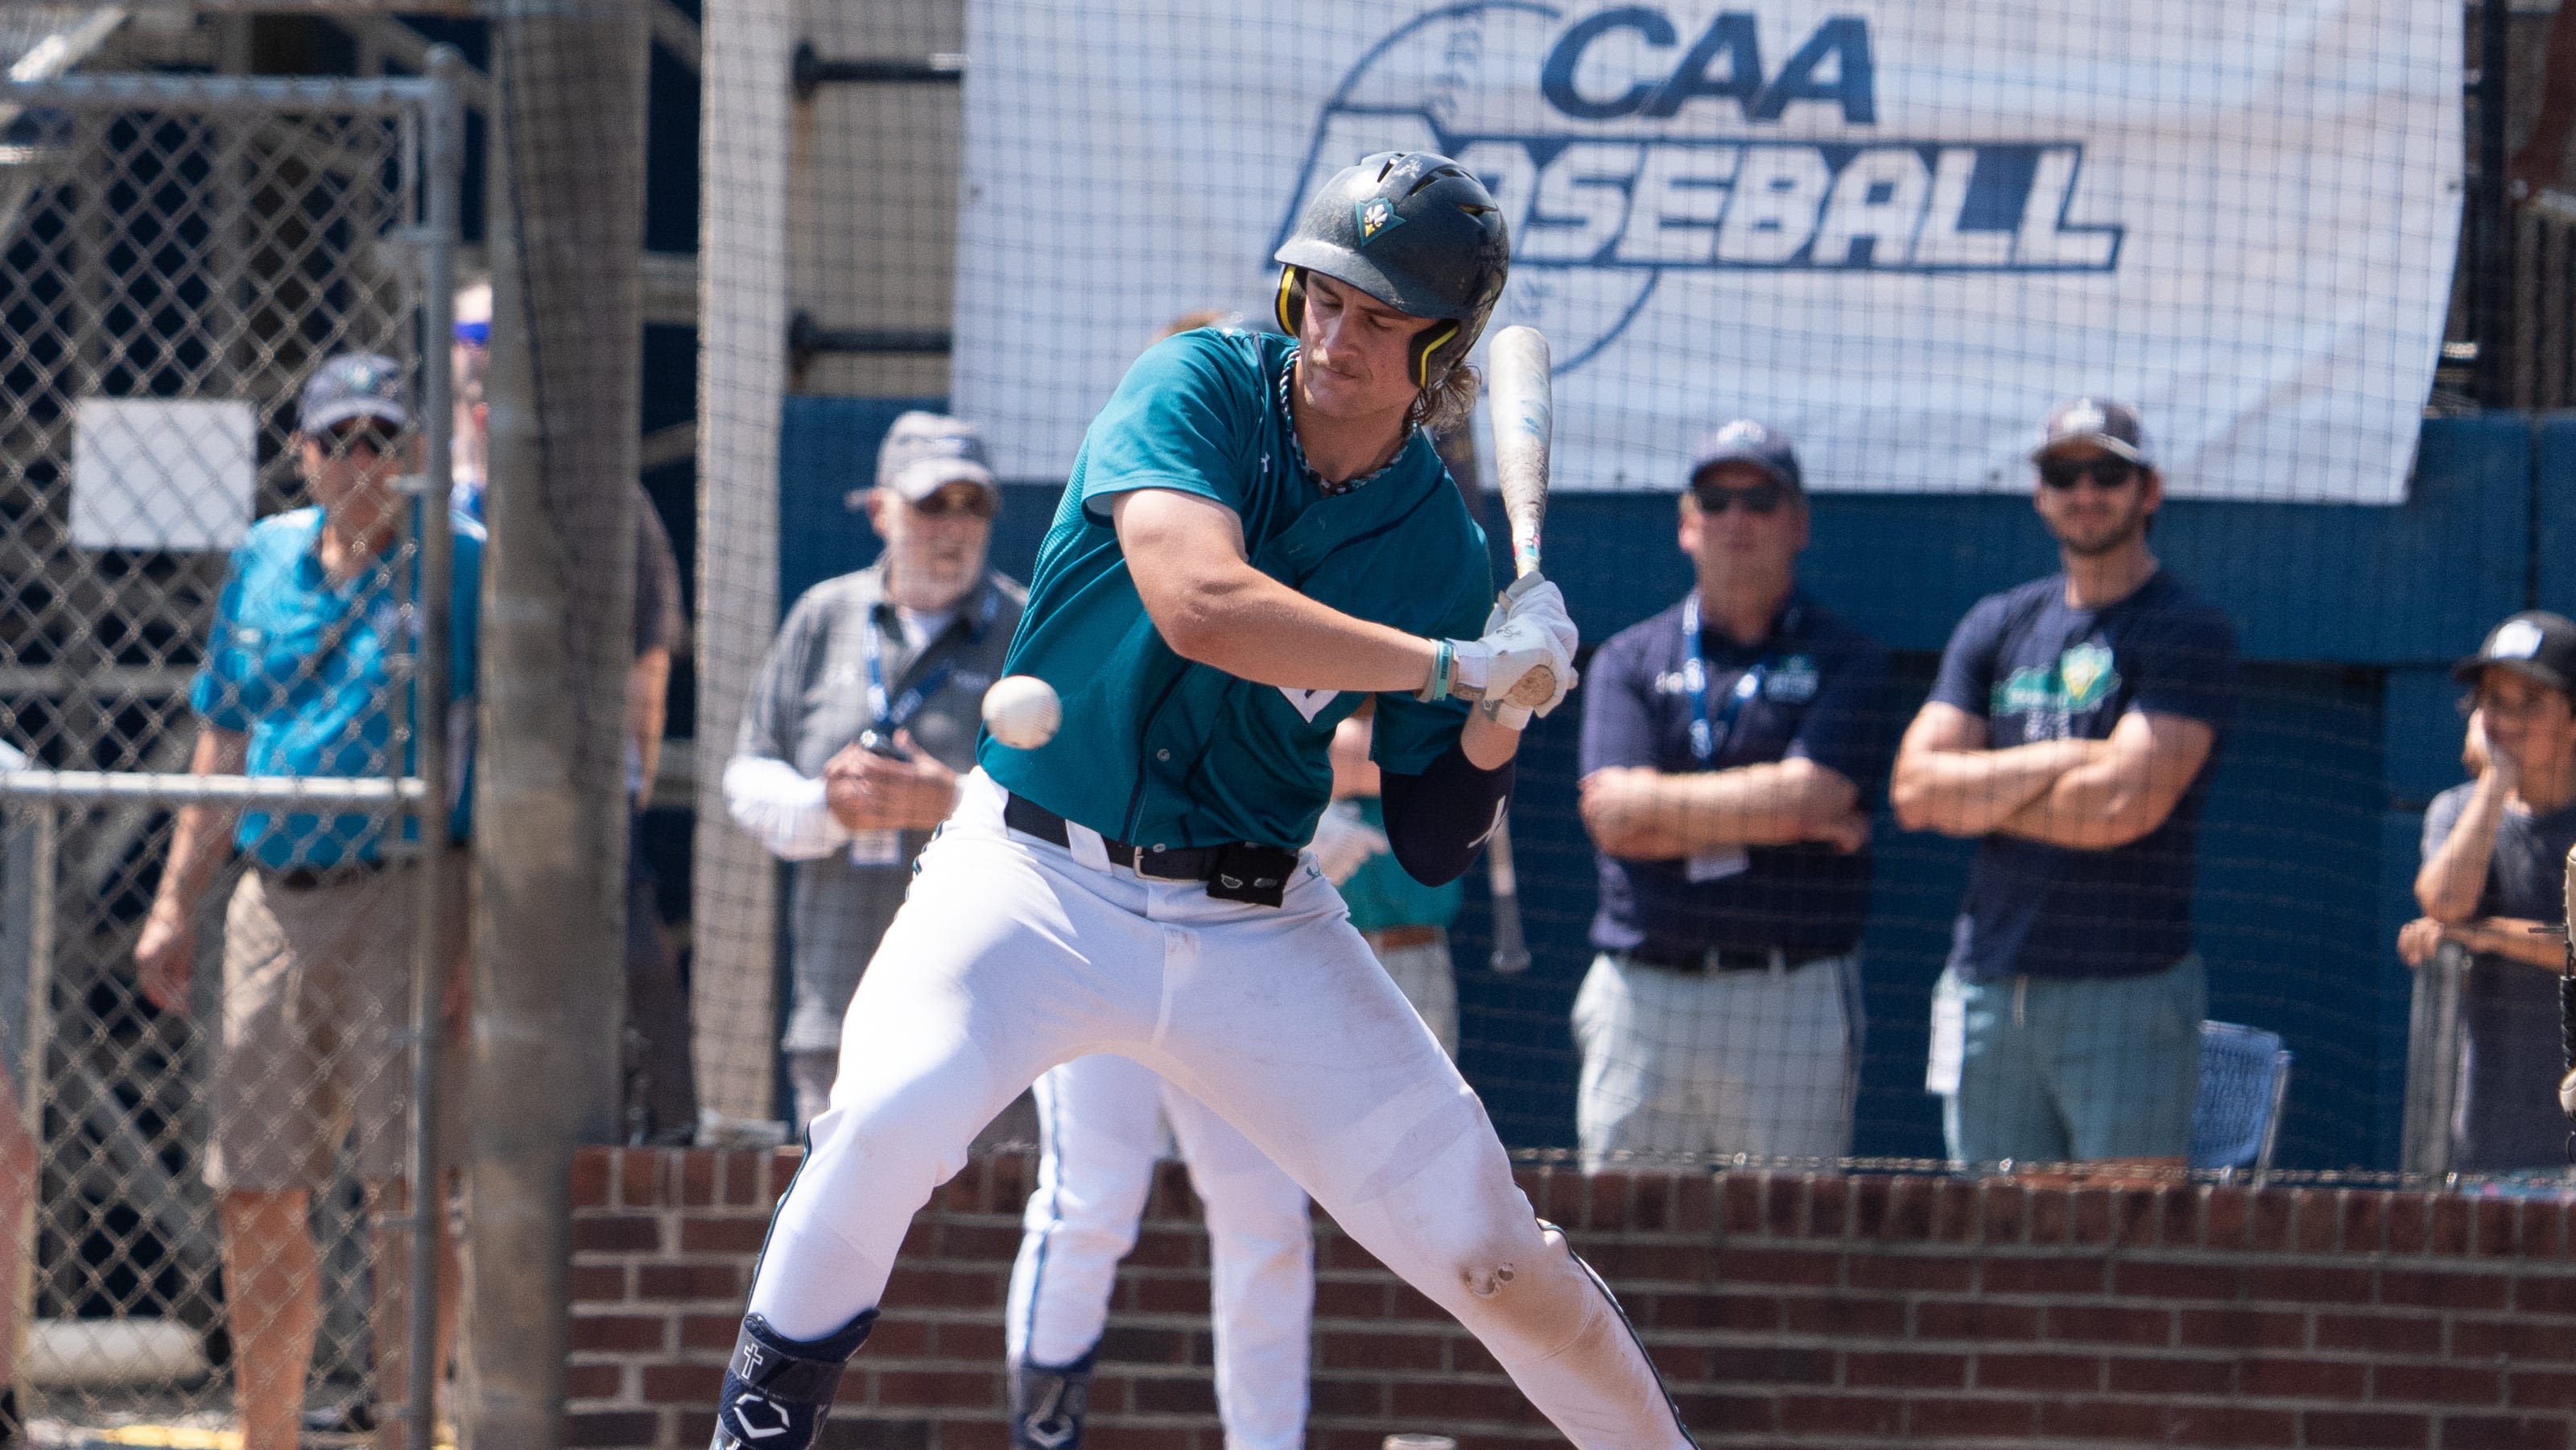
1376,217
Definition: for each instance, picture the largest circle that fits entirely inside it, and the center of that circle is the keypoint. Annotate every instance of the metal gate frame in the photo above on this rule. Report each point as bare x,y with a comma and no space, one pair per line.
433,103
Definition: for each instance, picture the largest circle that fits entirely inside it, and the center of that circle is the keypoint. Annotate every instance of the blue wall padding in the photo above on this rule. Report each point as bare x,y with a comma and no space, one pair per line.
2349,615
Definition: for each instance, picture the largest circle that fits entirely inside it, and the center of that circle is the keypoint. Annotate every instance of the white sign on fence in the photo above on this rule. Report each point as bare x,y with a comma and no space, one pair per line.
1898,230
162,473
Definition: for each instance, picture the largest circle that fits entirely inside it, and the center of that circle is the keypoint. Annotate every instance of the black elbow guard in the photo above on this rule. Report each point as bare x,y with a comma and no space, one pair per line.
1437,820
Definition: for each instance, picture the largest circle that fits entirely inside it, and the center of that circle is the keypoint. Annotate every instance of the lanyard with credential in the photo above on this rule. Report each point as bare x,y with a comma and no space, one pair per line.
894,715
1708,736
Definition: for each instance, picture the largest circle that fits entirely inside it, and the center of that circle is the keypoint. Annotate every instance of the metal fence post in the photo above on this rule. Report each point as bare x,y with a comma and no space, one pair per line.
443,143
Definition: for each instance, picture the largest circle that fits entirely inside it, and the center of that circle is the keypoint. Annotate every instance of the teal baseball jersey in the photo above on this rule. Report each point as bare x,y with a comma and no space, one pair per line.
1159,751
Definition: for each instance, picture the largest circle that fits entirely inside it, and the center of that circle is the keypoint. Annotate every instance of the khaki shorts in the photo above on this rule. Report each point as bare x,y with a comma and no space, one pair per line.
317,997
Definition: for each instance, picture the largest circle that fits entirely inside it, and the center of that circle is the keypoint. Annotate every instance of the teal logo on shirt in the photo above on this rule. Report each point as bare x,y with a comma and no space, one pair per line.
2082,678
1376,217
1794,683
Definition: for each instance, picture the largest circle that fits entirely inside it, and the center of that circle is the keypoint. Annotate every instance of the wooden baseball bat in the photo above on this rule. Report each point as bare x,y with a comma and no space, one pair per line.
1523,408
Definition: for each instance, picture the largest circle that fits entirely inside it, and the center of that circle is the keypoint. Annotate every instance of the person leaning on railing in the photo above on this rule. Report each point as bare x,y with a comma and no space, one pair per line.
299,680
2495,852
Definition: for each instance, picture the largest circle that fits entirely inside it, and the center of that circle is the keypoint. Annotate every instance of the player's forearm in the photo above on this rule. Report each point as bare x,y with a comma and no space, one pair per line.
1972,792
199,832
1776,803
1255,628
2454,875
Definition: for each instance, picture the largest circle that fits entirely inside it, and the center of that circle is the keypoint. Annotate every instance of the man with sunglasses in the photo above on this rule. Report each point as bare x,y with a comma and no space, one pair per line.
301,678
1730,745
865,714
2072,732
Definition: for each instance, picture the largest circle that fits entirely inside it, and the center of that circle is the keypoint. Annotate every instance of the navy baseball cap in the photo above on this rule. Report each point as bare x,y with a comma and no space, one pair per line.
925,452
353,385
2535,642
1746,441
2112,427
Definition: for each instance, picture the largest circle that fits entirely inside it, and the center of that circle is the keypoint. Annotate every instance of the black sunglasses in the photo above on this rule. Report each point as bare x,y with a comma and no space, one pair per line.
974,504
2106,472
1761,498
376,437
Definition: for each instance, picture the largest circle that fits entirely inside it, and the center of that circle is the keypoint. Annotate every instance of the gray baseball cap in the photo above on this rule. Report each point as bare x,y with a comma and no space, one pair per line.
925,452
2112,427
1746,441
353,385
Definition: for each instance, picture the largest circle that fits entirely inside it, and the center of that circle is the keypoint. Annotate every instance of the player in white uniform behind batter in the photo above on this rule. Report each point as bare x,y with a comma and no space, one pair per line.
1255,535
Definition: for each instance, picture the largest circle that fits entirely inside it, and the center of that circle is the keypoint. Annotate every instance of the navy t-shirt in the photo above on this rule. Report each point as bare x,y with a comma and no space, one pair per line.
2034,667
1823,695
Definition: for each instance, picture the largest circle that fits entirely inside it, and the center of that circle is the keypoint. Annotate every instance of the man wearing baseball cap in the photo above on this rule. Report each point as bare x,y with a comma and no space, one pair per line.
2072,732
864,715
1730,747
2495,853
299,679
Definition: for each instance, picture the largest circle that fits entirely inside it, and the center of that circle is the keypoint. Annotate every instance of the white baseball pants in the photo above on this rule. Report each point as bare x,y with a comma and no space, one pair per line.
1100,1130
1012,955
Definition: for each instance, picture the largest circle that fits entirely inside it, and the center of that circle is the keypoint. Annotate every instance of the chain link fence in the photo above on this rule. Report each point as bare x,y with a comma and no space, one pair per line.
220,1137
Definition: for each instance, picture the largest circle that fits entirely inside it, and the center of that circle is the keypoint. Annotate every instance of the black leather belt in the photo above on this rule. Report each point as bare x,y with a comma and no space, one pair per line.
1729,959
308,878
1242,872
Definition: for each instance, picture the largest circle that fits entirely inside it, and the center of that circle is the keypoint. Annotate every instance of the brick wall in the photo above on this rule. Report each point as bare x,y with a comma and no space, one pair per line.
1784,1310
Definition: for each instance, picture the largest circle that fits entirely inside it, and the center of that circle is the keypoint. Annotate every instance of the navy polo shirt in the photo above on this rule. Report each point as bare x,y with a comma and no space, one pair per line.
2034,667
1823,696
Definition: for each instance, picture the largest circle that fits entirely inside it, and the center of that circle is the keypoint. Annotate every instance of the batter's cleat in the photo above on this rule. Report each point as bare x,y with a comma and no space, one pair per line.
1047,1404
778,1390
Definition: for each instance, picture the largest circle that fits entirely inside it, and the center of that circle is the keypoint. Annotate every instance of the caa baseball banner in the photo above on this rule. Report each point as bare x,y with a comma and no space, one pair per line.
1900,231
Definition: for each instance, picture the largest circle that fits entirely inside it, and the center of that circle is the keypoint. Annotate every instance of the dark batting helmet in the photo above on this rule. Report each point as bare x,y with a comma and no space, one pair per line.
1416,231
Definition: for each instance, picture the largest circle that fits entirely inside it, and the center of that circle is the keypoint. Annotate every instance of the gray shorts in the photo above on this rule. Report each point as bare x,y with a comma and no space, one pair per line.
317,992
1719,1063
2072,1071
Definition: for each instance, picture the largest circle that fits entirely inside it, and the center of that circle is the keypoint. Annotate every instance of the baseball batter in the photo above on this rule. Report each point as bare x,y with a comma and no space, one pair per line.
1256,535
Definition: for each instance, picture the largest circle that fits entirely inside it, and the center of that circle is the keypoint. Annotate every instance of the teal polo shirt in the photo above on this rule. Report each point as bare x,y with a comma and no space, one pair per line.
302,668
1159,751
1382,893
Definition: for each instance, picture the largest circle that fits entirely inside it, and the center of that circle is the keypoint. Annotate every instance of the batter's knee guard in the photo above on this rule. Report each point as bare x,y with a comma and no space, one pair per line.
1047,1404
777,1390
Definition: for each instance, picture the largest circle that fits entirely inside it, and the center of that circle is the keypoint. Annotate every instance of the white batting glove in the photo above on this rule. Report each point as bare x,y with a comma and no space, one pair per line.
1344,842
1534,598
1491,667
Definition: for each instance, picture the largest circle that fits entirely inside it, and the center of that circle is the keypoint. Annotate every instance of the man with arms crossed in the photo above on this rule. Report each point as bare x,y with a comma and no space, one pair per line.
1728,743
1134,885
2073,731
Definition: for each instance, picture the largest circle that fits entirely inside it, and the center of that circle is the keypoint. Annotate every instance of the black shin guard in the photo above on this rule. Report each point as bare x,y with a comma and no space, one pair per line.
777,1390
1047,1404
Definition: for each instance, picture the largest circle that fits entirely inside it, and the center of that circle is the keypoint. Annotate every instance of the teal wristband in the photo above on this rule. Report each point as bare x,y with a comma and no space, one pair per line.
1444,661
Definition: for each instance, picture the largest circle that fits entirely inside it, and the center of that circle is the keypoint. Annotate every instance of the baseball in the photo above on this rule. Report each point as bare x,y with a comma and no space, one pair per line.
1022,711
